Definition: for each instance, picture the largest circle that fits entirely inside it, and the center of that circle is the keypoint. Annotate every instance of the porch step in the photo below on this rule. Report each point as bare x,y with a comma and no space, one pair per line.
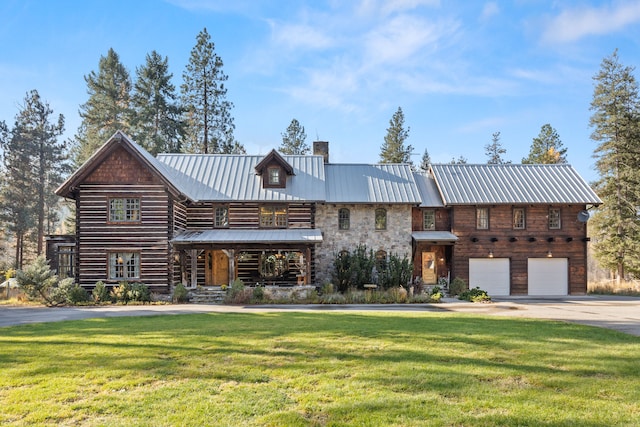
207,295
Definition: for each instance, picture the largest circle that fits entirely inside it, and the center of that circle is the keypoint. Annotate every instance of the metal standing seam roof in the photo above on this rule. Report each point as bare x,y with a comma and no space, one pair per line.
220,177
512,184
428,190
226,236
371,183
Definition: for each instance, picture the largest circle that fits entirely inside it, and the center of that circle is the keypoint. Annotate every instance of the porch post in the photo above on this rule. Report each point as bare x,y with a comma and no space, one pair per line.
231,255
194,268
308,262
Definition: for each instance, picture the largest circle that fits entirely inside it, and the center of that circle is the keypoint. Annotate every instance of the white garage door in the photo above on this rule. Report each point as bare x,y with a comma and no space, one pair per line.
491,275
548,276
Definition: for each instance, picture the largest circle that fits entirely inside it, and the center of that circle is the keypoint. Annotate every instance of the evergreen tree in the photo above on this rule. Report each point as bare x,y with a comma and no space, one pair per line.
157,120
426,161
615,121
546,148
35,164
209,122
107,109
394,150
462,160
495,151
293,140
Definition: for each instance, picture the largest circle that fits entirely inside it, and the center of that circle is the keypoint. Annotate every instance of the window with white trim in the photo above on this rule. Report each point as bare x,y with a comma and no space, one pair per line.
221,217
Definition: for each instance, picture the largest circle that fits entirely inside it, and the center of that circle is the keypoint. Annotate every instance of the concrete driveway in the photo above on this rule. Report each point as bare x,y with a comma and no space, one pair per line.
618,313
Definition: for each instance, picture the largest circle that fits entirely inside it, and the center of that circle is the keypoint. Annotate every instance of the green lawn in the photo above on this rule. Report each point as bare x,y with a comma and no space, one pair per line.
316,369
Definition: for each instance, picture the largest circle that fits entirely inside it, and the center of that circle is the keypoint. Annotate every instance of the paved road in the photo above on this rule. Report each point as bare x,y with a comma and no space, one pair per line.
618,313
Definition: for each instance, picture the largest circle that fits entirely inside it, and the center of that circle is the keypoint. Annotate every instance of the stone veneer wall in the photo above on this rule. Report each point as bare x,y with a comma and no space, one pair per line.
395,239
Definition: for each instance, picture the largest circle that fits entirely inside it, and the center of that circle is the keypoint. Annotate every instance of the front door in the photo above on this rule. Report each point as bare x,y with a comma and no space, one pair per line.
216,268
429,273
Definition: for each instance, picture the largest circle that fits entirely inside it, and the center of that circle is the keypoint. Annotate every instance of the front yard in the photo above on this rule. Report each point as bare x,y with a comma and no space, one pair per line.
316,369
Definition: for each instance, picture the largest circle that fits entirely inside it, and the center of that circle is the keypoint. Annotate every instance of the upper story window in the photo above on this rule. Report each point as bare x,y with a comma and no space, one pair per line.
519,222
429,220
274,176
124,265
344,219
381,219
124,210
554,219
221,217
482,218
273,216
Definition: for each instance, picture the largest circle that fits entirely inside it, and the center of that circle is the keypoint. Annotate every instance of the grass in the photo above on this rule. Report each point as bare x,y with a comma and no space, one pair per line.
626,288
317,369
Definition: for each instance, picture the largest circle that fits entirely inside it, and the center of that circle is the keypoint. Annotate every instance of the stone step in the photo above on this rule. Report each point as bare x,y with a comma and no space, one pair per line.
207,295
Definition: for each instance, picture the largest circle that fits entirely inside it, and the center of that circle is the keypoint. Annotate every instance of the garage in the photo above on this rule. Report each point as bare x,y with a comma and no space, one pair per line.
548,276
491,275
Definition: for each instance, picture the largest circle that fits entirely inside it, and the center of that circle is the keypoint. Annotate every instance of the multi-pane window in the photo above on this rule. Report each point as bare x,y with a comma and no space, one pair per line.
273,216
124,265
65,261
381,219
221,217
482,218
518,219
429,220
274,176
344,218
554,219
124,210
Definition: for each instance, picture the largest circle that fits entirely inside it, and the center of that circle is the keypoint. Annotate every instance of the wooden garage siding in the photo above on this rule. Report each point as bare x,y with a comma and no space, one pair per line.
149,237
501,228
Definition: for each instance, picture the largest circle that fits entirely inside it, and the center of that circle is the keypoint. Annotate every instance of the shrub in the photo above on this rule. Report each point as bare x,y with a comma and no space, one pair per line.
397,294
457,286
398,272
180,293
237,294
475,295
258,293
139,292
121,293
37,281
100,293
76,294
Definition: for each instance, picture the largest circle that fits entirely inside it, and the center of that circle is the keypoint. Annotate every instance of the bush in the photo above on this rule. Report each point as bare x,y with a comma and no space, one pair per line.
139,292
397,272
76,294
397,295
121,293
237,294
258,294
475,295
457,286
37,281
180,294
100,293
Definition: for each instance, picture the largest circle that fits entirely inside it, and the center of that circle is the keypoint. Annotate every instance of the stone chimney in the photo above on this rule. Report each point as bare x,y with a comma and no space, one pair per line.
321,148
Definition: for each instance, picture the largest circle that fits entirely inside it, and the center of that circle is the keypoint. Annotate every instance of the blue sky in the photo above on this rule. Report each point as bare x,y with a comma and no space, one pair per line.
460,69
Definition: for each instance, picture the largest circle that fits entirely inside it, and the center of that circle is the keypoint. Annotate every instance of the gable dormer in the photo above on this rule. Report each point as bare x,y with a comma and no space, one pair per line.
274,170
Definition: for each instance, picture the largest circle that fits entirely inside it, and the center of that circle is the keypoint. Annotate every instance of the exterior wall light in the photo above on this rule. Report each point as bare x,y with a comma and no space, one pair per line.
549,254
490,254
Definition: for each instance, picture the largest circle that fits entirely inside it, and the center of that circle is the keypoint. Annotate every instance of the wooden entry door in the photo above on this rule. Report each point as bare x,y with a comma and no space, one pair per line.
429,272
216,268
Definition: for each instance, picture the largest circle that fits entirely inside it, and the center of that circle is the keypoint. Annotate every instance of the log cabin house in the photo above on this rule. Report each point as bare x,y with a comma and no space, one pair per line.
207,219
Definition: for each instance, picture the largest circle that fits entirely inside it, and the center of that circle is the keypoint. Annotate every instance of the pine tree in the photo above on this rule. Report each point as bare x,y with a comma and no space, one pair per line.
426,161
209,122
35,164
546,148
494,151
462,160
157,119
615,121
107,109
293,139
394,150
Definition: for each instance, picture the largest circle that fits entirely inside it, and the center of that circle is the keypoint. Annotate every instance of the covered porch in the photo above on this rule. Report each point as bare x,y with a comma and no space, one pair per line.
432,254
264,257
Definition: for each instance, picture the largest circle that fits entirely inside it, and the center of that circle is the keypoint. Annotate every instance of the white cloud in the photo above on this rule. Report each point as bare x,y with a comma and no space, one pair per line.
299,36
489,10
574,24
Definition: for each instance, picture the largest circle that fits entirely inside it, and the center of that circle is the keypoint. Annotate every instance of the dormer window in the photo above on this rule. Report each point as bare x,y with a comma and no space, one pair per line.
274,170
274,176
